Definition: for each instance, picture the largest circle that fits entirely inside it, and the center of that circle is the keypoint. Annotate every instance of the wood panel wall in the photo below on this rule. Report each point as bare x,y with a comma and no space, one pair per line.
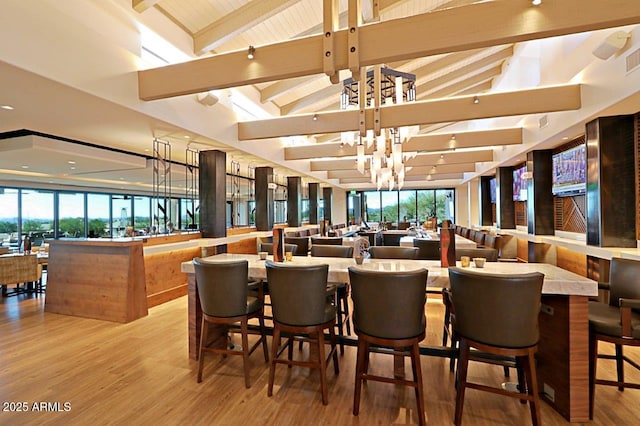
521,213
571,214
163,277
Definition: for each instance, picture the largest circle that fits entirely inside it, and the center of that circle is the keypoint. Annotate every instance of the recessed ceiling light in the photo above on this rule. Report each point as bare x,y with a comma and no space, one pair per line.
72,167
536,2
187,137
121,178
7,107
565,138
71,162
25,166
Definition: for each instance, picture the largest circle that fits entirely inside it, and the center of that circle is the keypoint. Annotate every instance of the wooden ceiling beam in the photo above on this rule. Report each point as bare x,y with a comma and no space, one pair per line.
504,21
236,22
417,170
142,5
532,101
419,160
282,87
422,143
467,83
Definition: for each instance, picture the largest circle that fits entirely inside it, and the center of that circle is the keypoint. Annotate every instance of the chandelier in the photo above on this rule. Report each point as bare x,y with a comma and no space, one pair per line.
387,161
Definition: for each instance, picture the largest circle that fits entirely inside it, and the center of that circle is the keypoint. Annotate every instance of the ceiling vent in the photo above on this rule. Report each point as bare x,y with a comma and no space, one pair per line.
633,60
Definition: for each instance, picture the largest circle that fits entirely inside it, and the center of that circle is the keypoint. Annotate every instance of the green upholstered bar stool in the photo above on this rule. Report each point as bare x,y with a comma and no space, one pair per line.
223,289
617,322
497,314
300,308
388,311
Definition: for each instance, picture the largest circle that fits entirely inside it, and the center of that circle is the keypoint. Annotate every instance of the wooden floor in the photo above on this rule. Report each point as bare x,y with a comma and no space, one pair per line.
139,373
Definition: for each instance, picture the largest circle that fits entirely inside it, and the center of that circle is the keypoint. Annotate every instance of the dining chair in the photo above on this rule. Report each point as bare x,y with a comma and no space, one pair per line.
301,243
223,289
488,253
268,247
300,308
616,322
497,314
388,312
391,252
392,239
341,290
326,241
427,249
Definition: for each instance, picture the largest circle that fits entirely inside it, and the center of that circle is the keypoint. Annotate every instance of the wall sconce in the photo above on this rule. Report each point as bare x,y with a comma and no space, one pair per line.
251,52
315,117
476,100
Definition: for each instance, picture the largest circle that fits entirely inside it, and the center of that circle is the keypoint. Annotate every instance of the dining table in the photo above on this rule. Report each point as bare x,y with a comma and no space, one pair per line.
461,242
563,363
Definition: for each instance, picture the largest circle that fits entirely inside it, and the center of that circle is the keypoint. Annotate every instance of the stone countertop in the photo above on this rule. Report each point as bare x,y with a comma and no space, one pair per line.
557,280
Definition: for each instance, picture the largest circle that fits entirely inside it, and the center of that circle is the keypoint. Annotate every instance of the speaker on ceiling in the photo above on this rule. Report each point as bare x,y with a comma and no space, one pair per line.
207,99
611,45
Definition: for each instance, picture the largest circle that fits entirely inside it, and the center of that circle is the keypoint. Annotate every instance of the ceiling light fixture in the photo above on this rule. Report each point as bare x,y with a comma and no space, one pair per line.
7,107
536,2
387,162
315,117
251,52
476,100
71,162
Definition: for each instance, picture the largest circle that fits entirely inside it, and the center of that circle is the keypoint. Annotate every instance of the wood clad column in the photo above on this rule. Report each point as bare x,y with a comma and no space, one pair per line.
294,200
264,198
212,183
486,216
314,192
505,206
327,197
611,214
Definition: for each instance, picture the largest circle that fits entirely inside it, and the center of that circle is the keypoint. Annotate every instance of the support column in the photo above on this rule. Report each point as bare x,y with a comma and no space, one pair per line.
264,198
611,199
327,197
505,206
294,200
486,216
212,184
314,192
540,208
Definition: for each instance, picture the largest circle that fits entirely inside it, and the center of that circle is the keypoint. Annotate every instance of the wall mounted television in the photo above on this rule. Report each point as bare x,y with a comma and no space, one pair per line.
519,184
569,172
492,190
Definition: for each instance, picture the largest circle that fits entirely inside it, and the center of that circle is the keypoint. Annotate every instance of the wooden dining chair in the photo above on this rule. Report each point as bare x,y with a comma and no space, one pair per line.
391,252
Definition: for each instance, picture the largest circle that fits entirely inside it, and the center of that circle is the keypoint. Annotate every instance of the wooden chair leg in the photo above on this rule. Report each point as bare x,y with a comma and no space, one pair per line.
263,336
620,366
593,361
275,345
332,340
417,377
461,376
323,368
361,357
522,383
290,349
345,302
339,317
532,387
203,338
245,352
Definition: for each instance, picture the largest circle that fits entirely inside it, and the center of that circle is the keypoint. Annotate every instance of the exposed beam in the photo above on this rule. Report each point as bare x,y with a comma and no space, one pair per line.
423,143
366,179
474,67
418,170
418,160
533,101
236,22
142,5
283,87
504,21
465,84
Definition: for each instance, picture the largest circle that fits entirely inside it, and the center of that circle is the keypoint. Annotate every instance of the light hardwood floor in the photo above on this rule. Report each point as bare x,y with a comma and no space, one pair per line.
139,374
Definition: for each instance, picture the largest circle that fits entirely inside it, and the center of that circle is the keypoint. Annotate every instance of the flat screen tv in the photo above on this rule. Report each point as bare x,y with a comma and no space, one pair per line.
519,184
492,190
569,172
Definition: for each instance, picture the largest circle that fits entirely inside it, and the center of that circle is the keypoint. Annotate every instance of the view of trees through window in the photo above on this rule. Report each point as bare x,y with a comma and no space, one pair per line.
414,205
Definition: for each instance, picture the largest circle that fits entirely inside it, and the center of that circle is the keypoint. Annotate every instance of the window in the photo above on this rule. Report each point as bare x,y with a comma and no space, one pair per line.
389,206
372,206
37,215
121,214
407,206
71,214
98,216
9,217
142,211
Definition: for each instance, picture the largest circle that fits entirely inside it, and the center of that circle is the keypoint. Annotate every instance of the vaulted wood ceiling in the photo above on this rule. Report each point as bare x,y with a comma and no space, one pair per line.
456,48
